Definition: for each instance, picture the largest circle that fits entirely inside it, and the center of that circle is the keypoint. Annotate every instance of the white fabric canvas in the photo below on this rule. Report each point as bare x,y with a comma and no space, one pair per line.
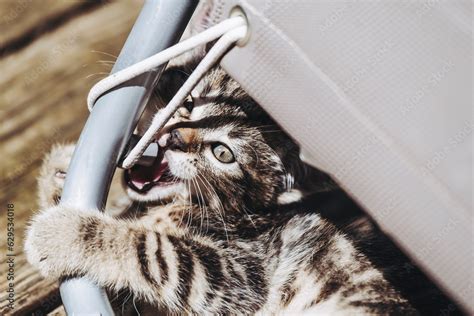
378,94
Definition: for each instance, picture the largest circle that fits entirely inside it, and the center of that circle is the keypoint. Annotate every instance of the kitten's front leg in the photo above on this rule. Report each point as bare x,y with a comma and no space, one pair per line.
167,267
55,240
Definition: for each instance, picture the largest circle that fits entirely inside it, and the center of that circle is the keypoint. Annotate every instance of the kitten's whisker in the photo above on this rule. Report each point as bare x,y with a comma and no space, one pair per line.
189,219
174,180
108,62
220,209
256,155
185,202
190,205
199,195
107,54
250,218
105,65
183,72
265,125
105,74
125,301
135,306
192,181
206,208
271,131
221,215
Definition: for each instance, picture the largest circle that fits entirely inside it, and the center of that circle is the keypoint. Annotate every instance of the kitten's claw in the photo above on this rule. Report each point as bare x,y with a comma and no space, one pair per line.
49,241
60,174
53,242
53,173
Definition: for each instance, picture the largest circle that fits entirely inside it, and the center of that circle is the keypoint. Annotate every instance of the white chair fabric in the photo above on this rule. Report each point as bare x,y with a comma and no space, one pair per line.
378,94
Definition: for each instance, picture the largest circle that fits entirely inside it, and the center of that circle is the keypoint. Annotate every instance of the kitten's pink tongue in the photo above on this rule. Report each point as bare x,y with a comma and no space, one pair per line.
141,176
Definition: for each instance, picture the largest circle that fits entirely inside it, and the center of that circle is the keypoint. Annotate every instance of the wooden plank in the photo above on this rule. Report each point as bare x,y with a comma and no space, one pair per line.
21,24
44,86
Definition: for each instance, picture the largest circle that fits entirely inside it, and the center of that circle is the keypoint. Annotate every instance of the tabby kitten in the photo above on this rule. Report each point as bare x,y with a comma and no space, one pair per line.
222,231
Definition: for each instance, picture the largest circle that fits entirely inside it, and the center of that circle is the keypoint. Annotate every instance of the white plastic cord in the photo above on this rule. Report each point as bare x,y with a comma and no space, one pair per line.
162,57
160,118
230,31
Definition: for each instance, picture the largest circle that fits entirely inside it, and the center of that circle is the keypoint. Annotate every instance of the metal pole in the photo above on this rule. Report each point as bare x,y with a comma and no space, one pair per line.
108,129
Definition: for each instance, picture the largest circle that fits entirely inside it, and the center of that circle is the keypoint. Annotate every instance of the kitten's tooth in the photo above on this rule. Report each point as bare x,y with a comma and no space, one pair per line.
163,140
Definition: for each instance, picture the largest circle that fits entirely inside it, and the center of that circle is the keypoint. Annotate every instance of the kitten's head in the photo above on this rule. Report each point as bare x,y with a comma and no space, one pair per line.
221,150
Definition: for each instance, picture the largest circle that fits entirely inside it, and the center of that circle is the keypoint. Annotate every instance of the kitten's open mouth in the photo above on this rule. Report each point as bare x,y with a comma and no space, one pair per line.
141,179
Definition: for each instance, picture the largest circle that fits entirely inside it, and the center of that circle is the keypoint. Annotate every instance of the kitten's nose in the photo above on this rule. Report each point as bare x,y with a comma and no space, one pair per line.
181,138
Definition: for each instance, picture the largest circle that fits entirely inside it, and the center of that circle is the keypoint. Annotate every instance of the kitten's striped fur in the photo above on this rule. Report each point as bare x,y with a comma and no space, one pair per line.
238,243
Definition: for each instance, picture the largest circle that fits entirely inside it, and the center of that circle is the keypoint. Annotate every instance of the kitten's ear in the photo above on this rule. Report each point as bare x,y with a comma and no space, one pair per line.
170,82
179,68
201,20
189,60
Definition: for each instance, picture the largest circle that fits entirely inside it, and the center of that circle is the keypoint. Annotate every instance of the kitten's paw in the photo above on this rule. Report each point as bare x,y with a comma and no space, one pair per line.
52,244
53,174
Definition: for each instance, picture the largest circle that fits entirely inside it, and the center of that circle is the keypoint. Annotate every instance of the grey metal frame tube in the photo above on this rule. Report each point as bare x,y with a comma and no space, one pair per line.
108,129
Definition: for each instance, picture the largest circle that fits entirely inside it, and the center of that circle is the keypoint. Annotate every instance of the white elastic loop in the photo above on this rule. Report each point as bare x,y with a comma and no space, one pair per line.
160,118
160,58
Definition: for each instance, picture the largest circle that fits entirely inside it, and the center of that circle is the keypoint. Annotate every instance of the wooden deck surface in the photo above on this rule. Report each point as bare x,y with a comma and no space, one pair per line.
51,53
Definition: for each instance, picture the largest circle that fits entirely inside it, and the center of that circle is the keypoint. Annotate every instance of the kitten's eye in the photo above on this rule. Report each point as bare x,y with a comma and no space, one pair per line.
222,153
